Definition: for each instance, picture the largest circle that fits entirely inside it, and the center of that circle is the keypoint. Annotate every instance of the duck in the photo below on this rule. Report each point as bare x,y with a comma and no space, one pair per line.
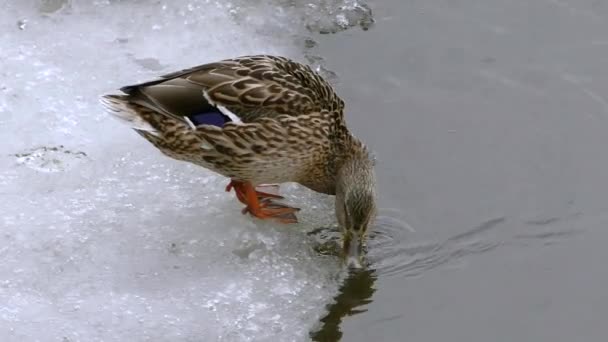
260,121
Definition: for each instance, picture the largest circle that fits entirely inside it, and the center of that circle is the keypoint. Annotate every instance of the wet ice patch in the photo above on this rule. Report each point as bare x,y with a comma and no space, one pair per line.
324,16
50,159
149,63
52,6
337,16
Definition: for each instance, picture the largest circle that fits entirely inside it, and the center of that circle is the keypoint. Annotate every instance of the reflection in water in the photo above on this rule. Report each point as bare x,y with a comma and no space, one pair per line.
391,254
358,287
356,292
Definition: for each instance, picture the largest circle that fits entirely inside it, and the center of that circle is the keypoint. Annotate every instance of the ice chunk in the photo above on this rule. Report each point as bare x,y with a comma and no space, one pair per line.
337,16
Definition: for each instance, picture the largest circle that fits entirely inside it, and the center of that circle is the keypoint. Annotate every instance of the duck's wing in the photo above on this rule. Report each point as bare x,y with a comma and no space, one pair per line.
251,87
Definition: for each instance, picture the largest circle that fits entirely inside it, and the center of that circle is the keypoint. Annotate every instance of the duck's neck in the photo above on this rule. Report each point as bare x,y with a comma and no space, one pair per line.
349,152
355,166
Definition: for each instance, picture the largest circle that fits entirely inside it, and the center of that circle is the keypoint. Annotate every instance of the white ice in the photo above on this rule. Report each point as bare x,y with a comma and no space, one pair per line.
103,238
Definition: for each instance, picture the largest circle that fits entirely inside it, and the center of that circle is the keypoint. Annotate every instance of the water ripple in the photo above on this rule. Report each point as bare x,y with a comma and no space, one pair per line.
390,254
393,252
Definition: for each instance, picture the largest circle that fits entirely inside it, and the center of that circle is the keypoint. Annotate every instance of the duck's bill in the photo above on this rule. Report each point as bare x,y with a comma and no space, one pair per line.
352,251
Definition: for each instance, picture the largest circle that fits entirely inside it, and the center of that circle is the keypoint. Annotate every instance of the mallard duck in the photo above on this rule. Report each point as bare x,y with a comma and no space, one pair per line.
260,121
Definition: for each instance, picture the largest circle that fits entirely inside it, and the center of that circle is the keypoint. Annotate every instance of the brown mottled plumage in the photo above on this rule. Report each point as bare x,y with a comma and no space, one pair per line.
291,129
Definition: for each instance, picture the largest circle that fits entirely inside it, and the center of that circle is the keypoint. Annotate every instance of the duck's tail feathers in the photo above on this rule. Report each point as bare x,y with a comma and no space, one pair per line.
120,108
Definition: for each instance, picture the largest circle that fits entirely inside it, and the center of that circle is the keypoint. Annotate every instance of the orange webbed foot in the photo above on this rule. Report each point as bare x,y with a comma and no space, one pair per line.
261,204
263,191
270,209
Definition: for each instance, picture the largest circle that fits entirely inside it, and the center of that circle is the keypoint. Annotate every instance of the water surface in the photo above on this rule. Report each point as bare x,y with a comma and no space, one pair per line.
489,123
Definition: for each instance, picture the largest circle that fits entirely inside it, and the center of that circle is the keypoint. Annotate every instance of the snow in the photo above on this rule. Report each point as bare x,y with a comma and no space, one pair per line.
105,239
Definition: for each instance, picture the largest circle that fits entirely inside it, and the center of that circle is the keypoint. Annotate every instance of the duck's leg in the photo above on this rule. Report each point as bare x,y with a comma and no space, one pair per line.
238,190
260,204
262,195
268,191
267,208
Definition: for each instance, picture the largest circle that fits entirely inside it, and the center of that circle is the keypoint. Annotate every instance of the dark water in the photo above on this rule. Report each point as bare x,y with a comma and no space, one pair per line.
489,121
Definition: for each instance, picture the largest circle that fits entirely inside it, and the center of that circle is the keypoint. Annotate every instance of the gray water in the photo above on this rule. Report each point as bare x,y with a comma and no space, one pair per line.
489,120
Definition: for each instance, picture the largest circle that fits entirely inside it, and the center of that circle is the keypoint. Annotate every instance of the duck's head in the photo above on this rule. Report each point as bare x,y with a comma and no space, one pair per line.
355,205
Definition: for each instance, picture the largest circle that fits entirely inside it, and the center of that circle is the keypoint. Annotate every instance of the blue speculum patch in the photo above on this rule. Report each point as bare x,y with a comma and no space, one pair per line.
215,118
